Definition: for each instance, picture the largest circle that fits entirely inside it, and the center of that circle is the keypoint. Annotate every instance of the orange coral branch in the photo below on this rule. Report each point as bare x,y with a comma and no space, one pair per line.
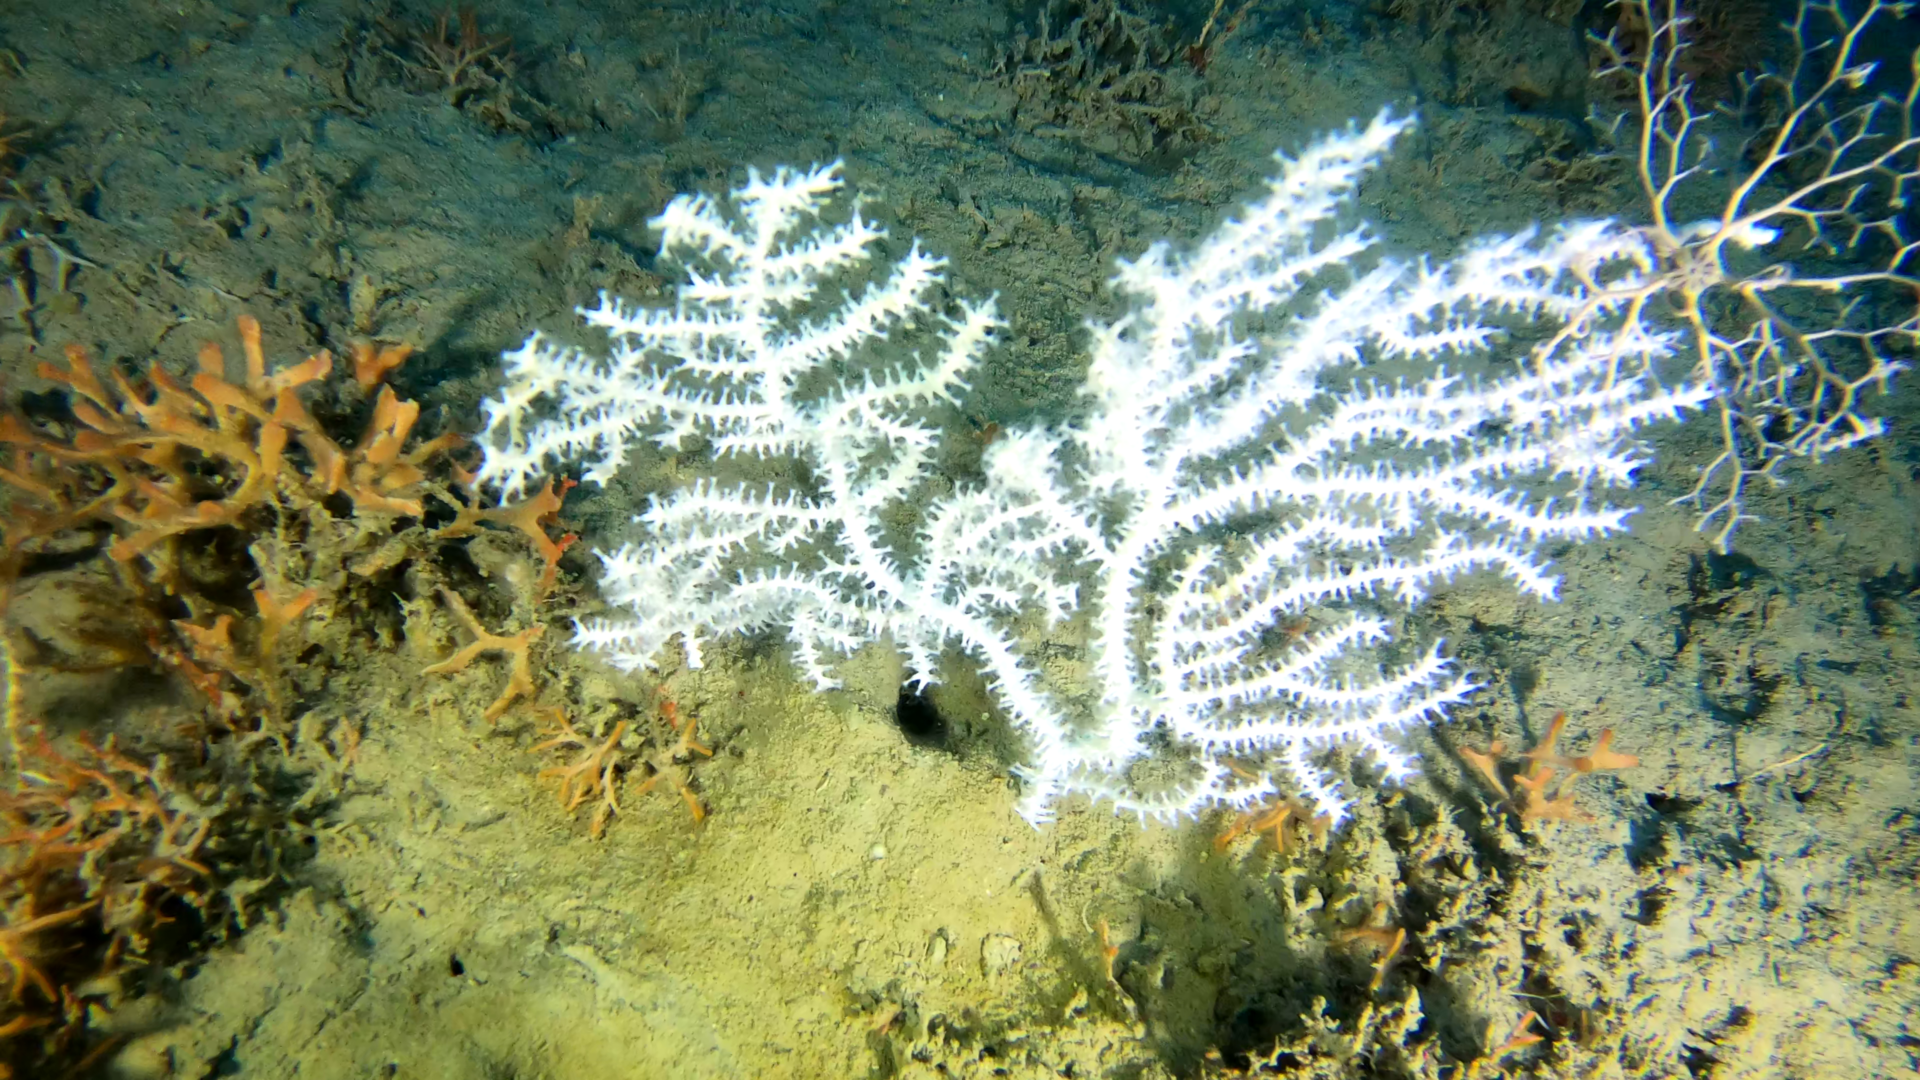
592,774
529,517
1537,797
371,363
143,439
519,674
13,949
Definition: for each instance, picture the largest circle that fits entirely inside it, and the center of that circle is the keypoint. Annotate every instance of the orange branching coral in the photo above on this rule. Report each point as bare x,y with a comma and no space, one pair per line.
159,459
154,460
516,646
1538,798
373,363
205,492
1376,933
163,458
378,472
593,774
1276,818
213,663
276,616
456,49
671,761
466,67
11,133
95,843
529,517
101,800
1519,1037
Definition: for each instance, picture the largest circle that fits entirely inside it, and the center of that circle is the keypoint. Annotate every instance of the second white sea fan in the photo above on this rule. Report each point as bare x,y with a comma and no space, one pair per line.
1232,528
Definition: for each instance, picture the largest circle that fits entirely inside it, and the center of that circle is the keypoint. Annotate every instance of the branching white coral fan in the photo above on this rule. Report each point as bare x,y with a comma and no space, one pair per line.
748,358
1234,527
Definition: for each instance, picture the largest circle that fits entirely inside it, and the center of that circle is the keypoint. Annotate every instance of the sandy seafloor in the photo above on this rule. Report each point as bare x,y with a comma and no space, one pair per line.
857,904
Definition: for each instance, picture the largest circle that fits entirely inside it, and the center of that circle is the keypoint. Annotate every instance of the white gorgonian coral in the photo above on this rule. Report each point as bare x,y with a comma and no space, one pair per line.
1232,527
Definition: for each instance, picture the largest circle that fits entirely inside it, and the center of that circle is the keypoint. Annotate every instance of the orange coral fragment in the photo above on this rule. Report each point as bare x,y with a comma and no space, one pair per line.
1538,798
372,363
593,773
173,457
14,950
1277,818
516,646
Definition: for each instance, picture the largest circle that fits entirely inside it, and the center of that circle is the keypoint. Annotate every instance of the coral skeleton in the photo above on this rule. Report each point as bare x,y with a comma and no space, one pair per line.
1271,436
